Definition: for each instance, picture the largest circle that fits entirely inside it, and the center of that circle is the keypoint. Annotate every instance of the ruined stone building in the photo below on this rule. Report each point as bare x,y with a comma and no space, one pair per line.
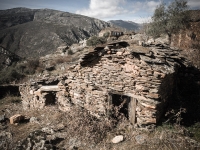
112,32
137,79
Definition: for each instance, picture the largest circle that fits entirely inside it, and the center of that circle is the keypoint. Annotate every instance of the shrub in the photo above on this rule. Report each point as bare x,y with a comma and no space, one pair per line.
93,41
106,35
21,67
9,74
70,52
61,59
31,66
40,69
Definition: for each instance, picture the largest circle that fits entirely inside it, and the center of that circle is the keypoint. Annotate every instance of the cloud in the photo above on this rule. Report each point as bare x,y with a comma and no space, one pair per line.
146,6
194,4
103,9
151,5
141,19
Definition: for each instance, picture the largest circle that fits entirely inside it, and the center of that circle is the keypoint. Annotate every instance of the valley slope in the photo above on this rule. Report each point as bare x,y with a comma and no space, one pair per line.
128,25
37,32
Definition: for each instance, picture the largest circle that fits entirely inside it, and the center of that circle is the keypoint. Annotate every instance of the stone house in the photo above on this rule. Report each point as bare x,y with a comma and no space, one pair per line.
137,80
113,32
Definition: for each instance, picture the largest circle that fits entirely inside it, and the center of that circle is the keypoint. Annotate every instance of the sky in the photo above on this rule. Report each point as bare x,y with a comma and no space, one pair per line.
139,11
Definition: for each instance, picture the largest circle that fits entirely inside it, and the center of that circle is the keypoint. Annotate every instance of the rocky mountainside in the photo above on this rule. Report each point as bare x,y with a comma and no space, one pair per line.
7,58
128,25
37,32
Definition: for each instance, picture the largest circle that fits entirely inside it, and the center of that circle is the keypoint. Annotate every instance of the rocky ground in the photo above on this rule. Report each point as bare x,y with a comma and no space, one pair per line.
50,128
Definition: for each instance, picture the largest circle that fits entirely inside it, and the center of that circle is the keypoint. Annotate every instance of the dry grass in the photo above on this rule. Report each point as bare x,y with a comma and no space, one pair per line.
61,59
193,55
9,100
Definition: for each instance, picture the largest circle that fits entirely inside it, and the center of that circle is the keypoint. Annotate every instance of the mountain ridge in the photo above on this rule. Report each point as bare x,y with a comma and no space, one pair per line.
37,32
128,25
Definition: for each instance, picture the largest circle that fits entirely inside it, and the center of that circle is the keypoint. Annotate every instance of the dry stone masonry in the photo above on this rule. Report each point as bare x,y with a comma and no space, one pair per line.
138,80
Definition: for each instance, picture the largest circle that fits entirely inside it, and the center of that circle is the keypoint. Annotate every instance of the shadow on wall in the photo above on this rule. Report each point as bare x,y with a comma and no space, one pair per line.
184,104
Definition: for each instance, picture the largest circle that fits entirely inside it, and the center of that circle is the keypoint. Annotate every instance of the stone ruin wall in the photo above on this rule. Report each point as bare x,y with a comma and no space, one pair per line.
122,73
145,76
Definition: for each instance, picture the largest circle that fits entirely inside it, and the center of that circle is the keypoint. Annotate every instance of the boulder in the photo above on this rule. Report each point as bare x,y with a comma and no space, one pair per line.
2,118
140,139
119,53
117,139
16,118
33,120
150,41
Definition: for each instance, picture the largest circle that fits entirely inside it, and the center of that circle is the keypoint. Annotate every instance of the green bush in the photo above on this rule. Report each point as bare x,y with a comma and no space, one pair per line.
93,41
9,74
19,70
106,35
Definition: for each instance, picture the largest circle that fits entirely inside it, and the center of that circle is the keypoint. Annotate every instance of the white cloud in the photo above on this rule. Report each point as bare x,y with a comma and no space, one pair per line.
103,9
194,4
137,11
136,6
151,5
147,6
141,19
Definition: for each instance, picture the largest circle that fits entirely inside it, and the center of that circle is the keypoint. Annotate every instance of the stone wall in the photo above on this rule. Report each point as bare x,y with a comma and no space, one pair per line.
145,74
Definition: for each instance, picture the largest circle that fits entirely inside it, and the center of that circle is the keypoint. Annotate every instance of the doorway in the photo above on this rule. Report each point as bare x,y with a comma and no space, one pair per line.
124,105
50,98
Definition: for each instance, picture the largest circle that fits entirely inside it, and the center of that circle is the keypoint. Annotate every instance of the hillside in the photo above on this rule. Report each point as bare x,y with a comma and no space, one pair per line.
7,58
128,25
37,32
189,40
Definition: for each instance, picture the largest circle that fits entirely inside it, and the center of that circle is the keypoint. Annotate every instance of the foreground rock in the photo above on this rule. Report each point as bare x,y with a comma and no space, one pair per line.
2,118
117,139
36,140
16,118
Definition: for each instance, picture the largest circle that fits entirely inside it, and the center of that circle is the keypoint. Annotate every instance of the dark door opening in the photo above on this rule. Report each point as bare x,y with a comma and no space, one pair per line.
124,105
50,98
121,103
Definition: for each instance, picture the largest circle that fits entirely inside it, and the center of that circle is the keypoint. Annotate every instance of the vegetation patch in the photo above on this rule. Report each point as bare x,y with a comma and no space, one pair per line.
10,100
169,19
195,131
93,41
10,74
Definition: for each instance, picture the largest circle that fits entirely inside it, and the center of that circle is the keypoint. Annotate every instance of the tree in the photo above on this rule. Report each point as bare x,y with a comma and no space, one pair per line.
169,19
